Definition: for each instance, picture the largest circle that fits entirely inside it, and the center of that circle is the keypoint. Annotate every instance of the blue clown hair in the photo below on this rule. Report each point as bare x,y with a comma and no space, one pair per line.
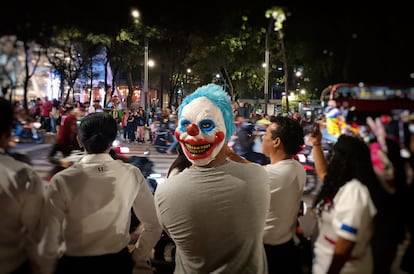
220,98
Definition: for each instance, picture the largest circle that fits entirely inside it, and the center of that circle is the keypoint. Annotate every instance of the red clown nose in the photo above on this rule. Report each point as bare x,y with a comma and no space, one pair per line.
193,130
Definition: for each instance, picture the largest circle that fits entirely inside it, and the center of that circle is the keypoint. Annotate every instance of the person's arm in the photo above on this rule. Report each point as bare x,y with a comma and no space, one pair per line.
144,208
321,165
341,255
58,161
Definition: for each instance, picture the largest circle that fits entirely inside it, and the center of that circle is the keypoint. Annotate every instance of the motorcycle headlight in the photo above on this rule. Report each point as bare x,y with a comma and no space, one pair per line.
37,125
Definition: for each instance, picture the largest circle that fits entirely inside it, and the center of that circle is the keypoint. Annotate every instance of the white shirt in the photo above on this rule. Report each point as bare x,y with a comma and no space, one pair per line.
21,201
89,205
350,217
287,180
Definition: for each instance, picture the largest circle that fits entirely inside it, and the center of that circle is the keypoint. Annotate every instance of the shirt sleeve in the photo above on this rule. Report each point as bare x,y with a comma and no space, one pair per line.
353,205
144,208
52,219
32,205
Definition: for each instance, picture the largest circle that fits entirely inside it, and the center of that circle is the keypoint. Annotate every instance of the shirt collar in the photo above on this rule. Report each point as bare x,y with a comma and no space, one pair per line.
95,158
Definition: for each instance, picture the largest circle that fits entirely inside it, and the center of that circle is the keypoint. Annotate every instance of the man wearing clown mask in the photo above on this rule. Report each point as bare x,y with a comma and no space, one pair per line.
215,211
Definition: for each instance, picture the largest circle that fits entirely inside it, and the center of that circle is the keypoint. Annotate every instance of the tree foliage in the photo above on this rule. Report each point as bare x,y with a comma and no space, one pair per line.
236,51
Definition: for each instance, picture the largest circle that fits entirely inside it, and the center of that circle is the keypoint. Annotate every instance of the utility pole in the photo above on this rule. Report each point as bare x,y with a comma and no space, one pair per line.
276,18
145,91
267,57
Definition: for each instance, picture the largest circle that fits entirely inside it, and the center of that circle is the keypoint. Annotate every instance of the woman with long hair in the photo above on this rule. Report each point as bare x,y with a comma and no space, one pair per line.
346,207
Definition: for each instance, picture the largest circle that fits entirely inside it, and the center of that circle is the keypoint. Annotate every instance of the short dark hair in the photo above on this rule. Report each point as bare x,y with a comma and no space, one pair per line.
6,114
97,131
290,133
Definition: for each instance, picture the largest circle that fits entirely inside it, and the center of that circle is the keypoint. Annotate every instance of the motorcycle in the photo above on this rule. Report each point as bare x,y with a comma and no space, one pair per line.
244,142
28,132
162,138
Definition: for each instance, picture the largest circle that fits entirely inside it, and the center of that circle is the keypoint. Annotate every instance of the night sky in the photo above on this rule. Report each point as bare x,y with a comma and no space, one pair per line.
379,35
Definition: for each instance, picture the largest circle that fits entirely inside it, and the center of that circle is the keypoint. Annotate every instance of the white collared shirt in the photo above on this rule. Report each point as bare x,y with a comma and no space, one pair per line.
89,207
21,201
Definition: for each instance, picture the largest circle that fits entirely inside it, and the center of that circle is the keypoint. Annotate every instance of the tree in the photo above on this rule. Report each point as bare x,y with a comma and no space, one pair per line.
127,51
238,51
100,46
64,52
277,17
32,53
10,66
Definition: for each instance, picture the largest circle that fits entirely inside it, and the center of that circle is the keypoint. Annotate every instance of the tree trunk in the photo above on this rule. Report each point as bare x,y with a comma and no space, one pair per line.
91,83
106,86
62,87
130,88
285,68
26,78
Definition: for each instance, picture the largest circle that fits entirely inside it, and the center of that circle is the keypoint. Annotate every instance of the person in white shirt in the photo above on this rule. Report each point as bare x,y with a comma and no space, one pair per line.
88,207
281,142
345,207
283,139
21,200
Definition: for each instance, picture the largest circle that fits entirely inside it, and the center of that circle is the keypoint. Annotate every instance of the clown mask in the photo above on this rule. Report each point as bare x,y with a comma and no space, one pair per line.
201,131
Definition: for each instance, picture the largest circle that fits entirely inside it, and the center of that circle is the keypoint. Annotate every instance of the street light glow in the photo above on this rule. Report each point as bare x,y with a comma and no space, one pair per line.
135,13
151,63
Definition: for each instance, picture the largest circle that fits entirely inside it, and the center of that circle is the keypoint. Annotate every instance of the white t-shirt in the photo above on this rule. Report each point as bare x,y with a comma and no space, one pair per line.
287,180
350,217
216,217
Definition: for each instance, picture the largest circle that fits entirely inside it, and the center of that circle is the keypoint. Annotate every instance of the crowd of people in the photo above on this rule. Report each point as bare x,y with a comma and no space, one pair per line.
224,212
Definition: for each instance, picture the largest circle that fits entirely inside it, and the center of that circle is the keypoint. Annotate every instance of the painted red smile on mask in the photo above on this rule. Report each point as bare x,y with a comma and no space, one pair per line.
200,149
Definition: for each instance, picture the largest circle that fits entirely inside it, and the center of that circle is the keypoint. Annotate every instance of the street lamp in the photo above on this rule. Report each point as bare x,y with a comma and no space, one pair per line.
150,64
144,105
136,15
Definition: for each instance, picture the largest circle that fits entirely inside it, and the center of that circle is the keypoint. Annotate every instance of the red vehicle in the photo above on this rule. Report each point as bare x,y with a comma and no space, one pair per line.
363,100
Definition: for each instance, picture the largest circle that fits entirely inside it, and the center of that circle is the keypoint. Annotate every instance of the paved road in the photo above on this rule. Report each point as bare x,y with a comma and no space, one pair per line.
38,156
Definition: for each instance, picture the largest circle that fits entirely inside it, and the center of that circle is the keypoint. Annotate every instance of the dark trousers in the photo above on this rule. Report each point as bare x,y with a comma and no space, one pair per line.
117,263
23,269
283,258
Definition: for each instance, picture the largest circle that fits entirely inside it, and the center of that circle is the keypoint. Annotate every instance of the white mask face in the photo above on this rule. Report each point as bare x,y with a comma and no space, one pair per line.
201,131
